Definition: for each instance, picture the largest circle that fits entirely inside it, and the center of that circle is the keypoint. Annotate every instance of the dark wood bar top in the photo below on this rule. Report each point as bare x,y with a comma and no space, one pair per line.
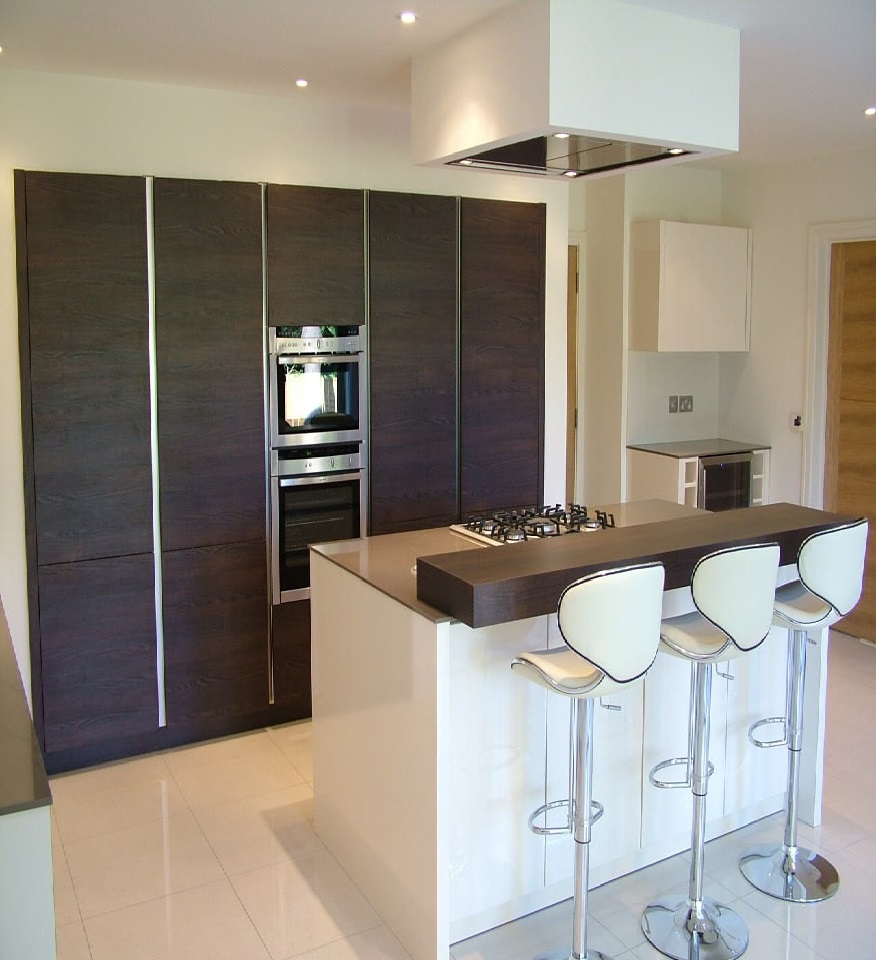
512,582
23,783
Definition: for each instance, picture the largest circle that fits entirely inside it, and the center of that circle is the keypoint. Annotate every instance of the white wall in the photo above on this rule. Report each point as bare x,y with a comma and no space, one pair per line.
761,390
62,123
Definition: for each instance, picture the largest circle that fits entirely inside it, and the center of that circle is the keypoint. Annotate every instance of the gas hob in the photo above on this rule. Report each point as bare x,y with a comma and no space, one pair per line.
534,523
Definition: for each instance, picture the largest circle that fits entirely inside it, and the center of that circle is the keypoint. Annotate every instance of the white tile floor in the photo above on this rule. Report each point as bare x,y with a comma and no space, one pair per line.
208,853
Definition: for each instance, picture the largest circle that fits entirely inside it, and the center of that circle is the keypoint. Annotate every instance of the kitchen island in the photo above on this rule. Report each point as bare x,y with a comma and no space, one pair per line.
429,756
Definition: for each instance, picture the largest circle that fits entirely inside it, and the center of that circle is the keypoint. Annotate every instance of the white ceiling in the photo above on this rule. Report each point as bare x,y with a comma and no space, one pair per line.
808,66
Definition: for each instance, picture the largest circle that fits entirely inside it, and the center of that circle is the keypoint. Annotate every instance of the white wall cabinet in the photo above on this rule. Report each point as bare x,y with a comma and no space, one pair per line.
690,287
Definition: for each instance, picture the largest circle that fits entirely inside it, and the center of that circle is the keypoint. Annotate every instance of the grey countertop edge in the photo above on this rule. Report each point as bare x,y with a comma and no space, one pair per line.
25,786
706,446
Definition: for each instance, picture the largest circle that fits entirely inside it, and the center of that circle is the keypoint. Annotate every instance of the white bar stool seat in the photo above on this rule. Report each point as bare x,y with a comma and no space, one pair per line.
610,622
733,592
830,565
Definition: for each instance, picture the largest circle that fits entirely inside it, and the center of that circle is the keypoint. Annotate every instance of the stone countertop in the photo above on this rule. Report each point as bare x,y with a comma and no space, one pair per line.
389,562
709,447
23,783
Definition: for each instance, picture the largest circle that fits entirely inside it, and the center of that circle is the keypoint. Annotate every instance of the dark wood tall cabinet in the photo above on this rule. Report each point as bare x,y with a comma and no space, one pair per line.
502,266
412,343
211,451
456,352
315,255
82,282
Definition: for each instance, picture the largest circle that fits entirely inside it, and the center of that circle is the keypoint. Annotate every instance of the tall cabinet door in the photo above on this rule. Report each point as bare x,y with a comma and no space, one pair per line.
316,255
211,442
88,326
210,354
412,353
83,322
502,354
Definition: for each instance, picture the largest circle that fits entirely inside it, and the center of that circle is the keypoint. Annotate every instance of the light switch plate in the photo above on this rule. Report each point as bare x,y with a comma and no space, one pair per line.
673,403
685,403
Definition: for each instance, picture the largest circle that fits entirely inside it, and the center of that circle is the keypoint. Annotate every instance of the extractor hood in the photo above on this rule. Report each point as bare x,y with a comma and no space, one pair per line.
569,155
577,88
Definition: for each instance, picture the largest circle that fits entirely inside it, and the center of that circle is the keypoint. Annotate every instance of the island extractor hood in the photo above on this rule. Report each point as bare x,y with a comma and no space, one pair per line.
577,87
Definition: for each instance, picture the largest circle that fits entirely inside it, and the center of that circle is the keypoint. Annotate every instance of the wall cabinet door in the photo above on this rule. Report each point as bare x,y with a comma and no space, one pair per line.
412,352
97,629
690,286
502,354
85,363
215,635
210,353
316,255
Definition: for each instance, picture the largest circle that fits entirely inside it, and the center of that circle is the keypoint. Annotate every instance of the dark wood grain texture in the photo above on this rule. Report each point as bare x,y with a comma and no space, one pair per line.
315,255
290,630
87,324
483,587
210,345
97,627
215,632
412,356
502,262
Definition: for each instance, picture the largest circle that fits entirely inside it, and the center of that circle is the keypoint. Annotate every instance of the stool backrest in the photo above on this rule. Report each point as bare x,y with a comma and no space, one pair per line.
612,619
735,589
831,564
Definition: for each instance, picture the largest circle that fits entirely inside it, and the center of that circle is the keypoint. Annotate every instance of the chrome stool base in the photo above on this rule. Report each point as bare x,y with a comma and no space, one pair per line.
677,929
568,955
799,877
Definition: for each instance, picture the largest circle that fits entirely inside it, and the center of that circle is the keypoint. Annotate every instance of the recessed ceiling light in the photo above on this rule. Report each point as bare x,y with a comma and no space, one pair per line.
301,82
466,163
407,16
870,112
570,173
562,136
676,151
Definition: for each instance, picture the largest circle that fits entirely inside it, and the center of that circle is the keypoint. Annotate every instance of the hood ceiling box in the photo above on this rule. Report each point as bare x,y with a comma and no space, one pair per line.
627,83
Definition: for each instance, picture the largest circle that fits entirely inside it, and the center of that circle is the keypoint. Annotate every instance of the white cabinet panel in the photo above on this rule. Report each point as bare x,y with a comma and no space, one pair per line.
497,768
651,475
690,286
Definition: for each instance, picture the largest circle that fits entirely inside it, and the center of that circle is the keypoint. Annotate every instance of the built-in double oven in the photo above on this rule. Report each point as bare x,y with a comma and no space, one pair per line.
317,419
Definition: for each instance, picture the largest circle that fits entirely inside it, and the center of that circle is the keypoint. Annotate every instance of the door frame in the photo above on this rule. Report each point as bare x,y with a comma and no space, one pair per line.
822,237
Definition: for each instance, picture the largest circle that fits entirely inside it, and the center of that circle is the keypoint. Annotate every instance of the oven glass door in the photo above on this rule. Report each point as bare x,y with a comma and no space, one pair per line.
316,399
310,510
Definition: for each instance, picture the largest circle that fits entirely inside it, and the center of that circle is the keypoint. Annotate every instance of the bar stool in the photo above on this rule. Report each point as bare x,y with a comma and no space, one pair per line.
830,566
611,624
733,591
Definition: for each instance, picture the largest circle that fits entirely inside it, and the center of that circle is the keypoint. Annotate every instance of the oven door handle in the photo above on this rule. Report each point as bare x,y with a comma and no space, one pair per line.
297,359
306,481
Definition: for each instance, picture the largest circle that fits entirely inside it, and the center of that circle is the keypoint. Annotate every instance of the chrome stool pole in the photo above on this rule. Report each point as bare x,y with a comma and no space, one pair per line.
697,926
786,871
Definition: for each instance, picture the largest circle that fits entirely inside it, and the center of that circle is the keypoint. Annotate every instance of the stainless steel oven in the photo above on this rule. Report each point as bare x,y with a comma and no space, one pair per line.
317,495
724,482
316,385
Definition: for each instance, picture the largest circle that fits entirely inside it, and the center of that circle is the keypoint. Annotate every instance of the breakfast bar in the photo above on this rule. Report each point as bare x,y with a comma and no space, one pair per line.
429,755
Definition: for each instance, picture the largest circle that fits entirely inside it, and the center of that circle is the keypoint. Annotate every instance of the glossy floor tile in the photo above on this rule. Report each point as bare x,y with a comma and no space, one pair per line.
208,853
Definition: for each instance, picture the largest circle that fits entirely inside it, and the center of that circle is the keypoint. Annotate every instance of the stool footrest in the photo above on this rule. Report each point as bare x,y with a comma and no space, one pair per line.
596,811
674,784
782,742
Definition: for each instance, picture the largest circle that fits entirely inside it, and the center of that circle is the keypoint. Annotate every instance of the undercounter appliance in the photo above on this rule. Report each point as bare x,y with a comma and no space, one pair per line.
317,457
724,481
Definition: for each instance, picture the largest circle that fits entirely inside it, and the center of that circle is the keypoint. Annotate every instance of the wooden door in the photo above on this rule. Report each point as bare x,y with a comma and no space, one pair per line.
502,362
850,452
412,356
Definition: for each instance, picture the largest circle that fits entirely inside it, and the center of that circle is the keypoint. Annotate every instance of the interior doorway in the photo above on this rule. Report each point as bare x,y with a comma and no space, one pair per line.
850,425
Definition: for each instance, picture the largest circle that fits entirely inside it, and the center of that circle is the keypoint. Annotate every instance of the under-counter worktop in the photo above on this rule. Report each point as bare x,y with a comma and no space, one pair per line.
711,447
